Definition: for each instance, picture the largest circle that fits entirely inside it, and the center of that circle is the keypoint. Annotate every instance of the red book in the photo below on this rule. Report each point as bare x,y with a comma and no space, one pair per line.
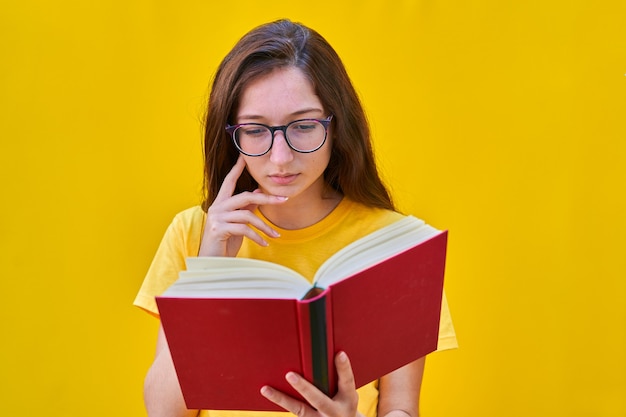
234,324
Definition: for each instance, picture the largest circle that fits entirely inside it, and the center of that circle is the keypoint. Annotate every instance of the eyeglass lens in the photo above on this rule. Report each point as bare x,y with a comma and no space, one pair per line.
303,136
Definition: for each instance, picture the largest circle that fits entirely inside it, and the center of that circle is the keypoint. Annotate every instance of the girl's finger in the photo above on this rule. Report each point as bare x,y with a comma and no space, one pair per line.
290,404
230,181
344,372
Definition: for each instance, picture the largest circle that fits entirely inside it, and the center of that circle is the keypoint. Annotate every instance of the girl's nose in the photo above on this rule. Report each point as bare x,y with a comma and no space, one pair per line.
280,153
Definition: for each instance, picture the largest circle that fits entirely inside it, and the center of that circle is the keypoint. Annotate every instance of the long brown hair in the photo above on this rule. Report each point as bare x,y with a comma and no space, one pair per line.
352,169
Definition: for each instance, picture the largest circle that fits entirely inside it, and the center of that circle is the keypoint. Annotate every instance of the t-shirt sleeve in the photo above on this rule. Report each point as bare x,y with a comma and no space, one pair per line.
181,239
447,335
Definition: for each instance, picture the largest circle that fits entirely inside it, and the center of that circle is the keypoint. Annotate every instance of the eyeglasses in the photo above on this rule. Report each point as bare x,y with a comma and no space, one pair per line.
256,139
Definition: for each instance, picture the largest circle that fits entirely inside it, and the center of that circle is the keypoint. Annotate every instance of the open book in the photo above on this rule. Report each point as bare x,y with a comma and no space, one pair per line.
234,324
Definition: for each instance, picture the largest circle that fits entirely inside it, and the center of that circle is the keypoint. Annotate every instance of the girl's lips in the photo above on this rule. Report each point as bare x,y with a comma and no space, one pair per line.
283,179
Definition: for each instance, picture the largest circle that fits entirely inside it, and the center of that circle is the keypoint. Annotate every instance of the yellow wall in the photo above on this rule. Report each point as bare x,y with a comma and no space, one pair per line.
502,121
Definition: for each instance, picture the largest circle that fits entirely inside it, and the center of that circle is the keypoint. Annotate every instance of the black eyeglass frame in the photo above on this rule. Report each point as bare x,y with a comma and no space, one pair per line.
324,122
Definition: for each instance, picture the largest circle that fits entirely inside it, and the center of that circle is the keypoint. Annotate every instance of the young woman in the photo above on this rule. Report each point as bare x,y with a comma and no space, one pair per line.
289,177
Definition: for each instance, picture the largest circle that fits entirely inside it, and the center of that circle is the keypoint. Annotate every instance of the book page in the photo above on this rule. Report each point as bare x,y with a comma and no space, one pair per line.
373,249
224,277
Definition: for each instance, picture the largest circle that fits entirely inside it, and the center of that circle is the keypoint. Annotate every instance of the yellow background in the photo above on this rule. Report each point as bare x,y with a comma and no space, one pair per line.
503,121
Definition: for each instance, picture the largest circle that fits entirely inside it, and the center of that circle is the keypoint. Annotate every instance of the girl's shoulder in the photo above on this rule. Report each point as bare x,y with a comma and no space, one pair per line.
186,228
191,217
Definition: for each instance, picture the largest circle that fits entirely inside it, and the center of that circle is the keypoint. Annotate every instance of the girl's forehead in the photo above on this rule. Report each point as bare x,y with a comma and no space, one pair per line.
284,92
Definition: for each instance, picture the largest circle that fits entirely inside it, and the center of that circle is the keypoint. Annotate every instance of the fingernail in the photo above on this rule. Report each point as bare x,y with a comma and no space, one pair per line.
281,198
343,357
266,391
291,378
275,233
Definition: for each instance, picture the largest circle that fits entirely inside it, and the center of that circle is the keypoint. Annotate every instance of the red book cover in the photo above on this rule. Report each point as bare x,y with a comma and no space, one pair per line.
225,349
388,316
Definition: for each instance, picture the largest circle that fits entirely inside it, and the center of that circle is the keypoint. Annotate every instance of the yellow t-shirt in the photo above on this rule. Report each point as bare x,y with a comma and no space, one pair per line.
303,250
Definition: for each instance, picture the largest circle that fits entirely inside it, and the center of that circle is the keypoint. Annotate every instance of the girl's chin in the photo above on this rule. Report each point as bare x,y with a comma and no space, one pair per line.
279,191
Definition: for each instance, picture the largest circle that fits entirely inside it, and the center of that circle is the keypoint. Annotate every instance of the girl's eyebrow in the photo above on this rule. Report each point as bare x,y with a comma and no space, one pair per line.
294,114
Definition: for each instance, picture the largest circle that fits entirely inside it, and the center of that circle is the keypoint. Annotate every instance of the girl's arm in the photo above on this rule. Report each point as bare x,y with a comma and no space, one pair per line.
400,391
228,220
161,391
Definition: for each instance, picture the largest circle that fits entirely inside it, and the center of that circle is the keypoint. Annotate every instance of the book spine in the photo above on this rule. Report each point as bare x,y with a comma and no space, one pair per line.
316,349
305,340
319,344
330,345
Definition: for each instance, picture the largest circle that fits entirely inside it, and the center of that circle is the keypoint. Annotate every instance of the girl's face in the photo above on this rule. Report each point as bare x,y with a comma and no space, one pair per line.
280,97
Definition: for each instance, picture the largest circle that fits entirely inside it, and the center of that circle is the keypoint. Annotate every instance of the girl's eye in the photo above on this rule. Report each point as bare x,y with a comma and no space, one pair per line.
253,131
304,127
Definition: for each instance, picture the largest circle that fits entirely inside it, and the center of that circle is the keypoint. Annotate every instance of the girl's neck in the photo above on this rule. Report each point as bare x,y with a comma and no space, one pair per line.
300,213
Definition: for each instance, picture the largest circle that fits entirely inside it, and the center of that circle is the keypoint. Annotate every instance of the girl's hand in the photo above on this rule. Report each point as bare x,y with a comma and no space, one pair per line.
343,404
230,216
